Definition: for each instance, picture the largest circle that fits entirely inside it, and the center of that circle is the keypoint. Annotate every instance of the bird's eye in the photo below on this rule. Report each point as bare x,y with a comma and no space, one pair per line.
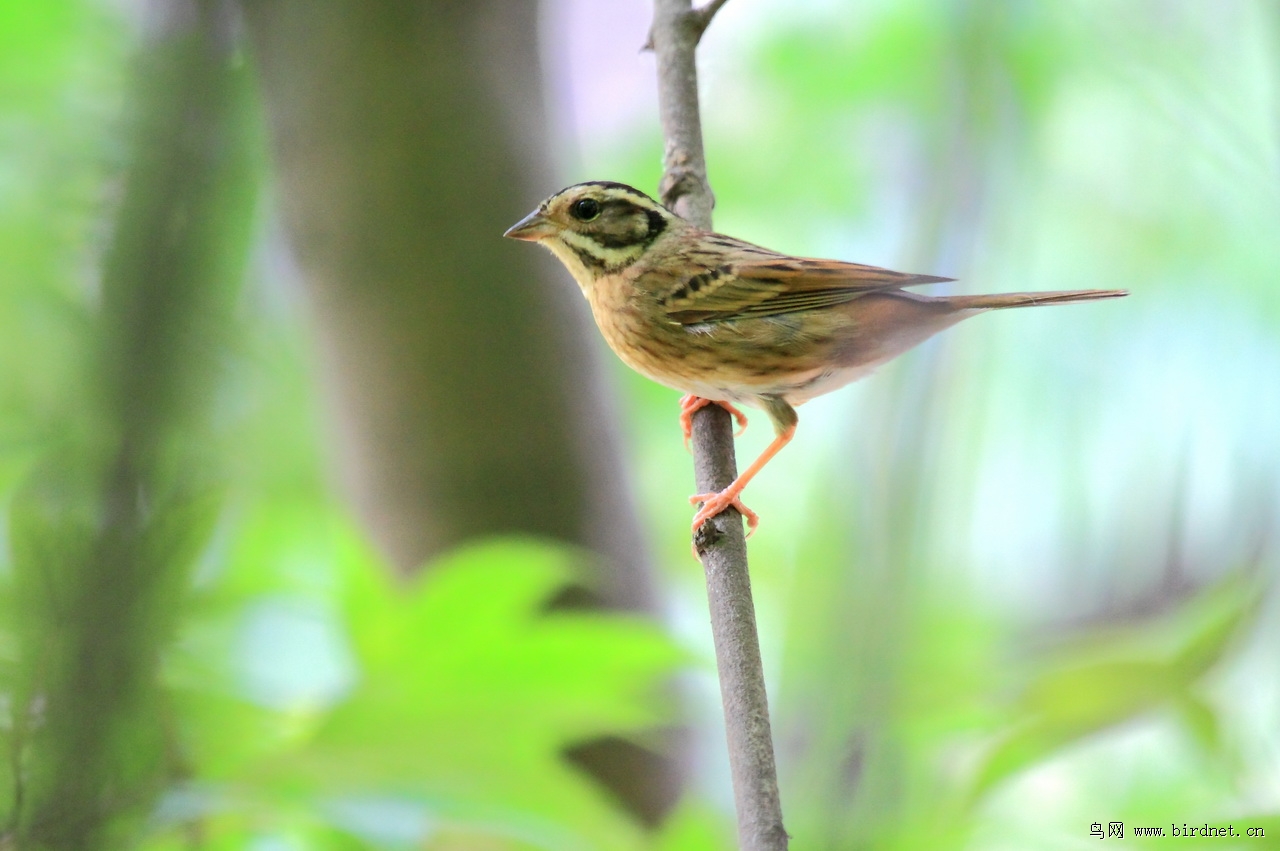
585,210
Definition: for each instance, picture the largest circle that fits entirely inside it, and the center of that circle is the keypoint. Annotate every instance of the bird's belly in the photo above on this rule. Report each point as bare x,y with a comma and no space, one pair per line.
784,357
795,388
825,382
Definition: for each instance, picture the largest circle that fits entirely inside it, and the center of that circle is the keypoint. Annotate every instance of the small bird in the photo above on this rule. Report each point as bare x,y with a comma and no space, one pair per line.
725,321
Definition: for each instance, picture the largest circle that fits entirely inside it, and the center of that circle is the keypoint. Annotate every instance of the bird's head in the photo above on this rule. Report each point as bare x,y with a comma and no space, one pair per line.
596,228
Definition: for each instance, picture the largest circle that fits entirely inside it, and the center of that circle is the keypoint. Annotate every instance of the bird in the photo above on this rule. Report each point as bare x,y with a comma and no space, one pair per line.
726,322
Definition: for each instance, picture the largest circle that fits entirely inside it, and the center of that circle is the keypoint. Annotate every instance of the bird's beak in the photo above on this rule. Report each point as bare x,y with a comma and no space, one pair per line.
531,228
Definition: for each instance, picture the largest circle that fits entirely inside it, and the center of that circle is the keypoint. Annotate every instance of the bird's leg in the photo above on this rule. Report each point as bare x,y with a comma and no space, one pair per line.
714,503
691,403
784,422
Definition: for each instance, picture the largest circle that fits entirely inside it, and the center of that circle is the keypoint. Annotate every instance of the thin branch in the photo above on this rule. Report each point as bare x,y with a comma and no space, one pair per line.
698,19
703,15
677,28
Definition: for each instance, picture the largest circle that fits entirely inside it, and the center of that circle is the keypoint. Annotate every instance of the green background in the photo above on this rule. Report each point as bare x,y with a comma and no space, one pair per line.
1017,582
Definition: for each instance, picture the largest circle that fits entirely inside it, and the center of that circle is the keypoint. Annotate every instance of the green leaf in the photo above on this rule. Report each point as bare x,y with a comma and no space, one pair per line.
694,828
1112,677
221,833
1220,615
1065,705
469,689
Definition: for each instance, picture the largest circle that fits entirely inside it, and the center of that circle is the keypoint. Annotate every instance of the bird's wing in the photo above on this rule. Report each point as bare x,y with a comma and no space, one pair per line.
760,283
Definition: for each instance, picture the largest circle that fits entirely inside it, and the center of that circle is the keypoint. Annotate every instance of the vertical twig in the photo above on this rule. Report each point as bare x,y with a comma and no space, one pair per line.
677,28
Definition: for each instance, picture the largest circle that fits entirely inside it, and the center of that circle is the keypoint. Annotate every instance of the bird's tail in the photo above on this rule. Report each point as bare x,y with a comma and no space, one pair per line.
999,301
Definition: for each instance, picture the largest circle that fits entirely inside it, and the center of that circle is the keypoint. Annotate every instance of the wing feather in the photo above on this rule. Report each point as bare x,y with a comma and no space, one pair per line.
762,283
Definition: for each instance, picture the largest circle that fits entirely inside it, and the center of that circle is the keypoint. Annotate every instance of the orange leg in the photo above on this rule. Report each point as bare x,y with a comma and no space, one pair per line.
714,503
690,403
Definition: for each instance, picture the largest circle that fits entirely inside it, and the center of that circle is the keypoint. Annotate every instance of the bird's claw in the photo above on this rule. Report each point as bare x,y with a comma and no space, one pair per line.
690,404
715,503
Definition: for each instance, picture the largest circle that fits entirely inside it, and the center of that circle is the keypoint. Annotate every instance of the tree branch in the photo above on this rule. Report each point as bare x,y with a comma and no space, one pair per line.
677,28
703,15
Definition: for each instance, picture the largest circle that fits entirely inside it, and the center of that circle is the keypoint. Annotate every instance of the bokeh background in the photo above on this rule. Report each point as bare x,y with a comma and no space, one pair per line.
329,521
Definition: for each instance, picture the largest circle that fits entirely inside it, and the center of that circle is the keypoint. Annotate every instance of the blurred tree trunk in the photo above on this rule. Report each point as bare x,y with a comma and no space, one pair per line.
106,530
407,137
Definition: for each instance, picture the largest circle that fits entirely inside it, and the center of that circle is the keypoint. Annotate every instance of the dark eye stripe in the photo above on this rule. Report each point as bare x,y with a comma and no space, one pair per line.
657,224
620,205
620,209
619,240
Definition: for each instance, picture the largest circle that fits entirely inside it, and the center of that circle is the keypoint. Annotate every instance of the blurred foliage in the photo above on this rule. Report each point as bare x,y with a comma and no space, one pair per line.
1017,583
460,692
198,652
1020,580
1111,676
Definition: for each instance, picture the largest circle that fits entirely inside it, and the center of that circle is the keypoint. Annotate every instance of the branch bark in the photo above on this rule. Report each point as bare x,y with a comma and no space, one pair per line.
677,28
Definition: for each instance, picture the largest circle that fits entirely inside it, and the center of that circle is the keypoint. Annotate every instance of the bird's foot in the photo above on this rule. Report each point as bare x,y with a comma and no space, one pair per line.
690,404
714,503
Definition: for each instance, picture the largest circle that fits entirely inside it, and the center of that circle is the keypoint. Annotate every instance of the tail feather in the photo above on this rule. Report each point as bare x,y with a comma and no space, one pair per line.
999,301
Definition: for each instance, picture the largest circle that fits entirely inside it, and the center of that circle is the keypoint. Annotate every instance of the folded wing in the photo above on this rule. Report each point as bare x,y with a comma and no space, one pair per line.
768,284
